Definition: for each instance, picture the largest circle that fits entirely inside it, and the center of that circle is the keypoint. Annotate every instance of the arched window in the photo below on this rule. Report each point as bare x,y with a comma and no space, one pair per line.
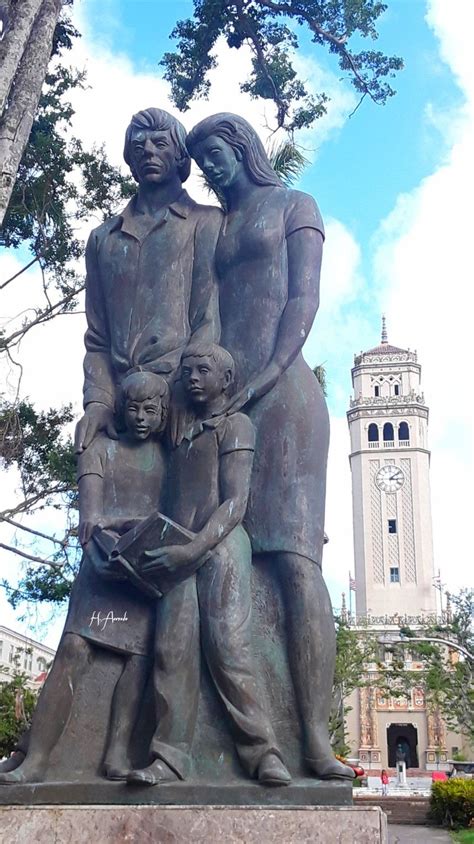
373,433
388,432
403,431
396,389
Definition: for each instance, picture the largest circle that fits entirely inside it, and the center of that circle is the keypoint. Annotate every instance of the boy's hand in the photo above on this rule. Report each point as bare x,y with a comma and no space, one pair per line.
167,560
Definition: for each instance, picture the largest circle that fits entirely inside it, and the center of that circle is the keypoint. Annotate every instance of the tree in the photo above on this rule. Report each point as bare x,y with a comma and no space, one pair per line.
17,703
30,35
444,674
59,184
354,652
270,29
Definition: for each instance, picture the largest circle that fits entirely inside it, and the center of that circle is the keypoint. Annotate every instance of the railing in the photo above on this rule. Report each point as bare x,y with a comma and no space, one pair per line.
395,620
374,401
389,444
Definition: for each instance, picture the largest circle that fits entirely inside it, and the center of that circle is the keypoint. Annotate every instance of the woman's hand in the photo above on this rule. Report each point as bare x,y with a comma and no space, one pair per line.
168,560
255,389
85,531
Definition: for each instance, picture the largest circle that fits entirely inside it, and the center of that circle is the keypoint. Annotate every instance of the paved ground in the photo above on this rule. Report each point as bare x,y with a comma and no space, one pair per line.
398,834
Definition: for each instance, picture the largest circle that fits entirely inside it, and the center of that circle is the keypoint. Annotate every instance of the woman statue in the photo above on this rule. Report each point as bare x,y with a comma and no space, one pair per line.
268,260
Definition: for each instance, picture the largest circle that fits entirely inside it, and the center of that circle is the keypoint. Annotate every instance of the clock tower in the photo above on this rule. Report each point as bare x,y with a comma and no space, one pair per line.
393,545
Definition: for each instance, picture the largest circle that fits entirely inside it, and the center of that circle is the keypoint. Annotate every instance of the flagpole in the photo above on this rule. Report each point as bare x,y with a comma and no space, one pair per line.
350,594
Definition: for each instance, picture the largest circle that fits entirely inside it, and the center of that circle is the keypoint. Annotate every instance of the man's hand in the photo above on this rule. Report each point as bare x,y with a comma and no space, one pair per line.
255,389
168,560
97,417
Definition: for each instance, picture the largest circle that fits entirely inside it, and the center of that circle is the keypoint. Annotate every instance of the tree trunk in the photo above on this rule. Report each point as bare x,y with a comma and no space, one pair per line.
24,55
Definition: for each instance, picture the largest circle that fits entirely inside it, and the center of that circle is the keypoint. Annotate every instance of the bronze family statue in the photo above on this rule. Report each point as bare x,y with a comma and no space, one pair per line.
202,470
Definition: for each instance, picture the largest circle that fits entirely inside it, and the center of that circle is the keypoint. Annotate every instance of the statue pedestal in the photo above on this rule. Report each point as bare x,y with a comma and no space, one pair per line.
98,792
199,824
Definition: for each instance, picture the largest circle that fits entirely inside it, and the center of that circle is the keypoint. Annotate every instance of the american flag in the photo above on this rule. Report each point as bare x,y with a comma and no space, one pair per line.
352,583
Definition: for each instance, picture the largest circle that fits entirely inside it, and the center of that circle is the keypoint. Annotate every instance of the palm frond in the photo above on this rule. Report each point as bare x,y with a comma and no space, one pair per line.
288,161
320,373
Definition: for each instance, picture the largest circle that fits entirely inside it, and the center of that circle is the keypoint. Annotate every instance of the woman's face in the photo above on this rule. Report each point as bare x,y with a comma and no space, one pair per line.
218,161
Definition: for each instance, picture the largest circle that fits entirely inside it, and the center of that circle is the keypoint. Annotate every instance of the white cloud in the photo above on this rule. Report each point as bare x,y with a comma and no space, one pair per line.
423,256
52,355
342,101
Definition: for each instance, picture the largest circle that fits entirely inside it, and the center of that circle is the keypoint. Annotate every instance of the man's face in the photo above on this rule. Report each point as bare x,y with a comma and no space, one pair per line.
203,379
153,155
142,417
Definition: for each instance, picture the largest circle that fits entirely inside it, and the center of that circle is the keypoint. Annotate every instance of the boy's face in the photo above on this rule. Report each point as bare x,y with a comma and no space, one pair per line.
142,417
203,379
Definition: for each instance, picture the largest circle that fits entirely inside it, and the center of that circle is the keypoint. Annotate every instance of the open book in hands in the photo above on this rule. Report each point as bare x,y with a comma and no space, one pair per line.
127,552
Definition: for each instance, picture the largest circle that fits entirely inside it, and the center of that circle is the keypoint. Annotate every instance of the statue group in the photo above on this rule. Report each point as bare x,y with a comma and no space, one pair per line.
202,451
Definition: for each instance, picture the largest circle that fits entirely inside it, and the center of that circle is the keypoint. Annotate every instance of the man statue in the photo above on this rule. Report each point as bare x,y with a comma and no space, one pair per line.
149,288
149,273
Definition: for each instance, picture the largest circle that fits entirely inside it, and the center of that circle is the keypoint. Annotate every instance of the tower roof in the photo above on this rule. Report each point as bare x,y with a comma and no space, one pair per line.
384,347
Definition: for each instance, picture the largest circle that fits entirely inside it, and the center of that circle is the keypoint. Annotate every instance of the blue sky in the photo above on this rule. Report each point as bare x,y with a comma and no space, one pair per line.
392,183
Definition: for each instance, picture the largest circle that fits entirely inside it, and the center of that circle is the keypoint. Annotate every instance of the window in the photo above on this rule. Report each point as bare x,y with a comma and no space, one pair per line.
376,391
392,525
388,432
394,574
403,431
373,433
396,389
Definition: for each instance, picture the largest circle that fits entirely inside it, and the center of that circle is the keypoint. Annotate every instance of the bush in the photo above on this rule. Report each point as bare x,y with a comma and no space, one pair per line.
11,727
452,803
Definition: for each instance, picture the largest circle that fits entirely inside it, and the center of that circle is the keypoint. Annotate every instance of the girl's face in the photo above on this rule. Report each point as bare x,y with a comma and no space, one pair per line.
143,417
218,161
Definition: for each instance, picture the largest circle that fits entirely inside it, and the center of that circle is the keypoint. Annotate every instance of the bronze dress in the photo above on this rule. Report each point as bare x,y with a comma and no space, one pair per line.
286,505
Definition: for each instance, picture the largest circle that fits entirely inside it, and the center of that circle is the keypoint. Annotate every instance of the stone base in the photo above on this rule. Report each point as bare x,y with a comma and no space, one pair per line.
196,824
305,792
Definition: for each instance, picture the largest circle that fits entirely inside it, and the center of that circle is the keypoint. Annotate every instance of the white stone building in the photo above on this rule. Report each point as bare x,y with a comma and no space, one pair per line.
393,550
24,653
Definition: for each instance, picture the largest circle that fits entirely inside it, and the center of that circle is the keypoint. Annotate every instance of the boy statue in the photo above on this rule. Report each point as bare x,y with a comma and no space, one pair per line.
209,479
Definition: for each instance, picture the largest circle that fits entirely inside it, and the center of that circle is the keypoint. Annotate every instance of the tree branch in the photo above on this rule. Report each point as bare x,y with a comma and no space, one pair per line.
13,277
27,503
338,42
253,37
285,9
30,557
30,530
42,316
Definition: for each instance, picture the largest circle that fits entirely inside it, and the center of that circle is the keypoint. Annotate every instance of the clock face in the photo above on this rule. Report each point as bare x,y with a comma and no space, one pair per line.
389,478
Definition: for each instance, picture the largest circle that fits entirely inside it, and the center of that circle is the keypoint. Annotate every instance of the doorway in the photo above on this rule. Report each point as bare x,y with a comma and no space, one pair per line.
402,743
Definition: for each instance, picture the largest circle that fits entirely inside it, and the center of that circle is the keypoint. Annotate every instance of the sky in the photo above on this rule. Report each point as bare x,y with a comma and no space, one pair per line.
393,184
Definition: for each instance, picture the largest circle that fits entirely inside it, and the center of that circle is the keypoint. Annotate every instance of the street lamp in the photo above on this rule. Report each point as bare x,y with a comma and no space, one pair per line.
401,639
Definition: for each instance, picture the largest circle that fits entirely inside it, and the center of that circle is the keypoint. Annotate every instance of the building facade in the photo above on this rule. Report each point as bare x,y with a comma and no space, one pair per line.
393,551
20,653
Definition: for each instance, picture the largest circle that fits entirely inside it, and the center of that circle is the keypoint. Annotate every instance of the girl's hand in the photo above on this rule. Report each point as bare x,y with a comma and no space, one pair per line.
168,560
